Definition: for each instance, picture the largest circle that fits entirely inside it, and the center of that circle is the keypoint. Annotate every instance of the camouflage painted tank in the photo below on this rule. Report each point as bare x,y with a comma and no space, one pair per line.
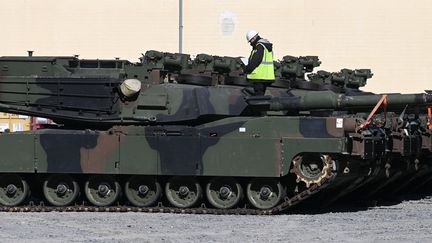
186,133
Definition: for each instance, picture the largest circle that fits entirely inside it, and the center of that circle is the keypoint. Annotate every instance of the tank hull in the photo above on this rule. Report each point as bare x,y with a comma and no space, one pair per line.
244,147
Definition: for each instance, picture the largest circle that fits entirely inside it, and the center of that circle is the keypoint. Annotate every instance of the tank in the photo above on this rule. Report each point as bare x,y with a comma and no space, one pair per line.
176,134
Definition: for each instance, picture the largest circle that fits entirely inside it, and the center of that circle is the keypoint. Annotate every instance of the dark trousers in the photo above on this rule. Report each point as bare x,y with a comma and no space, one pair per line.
259,86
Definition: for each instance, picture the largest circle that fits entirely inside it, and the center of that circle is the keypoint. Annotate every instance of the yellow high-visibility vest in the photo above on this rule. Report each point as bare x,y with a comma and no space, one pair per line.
265,69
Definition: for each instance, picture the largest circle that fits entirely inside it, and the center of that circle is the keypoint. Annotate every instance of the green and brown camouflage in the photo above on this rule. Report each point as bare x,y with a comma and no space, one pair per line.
223,148
87,91
195,120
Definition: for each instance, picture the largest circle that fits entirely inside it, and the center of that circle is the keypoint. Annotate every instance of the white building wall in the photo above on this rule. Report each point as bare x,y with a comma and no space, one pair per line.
393,38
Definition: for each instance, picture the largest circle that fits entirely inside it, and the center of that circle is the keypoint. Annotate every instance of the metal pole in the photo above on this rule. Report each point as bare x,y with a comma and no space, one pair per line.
180,26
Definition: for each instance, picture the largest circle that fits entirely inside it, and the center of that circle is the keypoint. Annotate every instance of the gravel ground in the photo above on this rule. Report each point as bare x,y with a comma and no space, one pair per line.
408,221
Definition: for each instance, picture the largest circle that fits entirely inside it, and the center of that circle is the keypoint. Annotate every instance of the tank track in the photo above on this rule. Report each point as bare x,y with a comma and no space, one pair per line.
279,209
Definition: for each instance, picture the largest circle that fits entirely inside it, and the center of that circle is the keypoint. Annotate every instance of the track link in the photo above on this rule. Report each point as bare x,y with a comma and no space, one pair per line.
279,209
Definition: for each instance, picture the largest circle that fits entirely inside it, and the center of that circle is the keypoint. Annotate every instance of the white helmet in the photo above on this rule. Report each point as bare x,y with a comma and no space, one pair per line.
251,34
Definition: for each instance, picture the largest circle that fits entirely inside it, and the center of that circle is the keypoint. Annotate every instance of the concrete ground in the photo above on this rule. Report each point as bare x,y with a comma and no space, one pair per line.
408,221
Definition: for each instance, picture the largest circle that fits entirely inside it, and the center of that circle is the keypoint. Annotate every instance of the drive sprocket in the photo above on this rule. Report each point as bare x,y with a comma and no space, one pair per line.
312,168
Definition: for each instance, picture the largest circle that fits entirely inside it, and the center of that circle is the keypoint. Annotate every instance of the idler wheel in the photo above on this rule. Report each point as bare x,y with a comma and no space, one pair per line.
224,192
264,193
60,190
311,168
143,191
13,190
183,192
102,190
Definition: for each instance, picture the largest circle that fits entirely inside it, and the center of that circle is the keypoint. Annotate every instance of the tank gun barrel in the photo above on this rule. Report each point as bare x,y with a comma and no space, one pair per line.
319,100
393,100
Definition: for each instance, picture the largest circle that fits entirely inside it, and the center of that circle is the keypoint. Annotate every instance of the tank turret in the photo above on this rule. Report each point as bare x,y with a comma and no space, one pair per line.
172,90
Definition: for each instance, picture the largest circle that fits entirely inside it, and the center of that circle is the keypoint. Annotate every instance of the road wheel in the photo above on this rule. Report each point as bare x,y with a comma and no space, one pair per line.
224,192
183,192
143,191
13,190
264,193
60,190
102,190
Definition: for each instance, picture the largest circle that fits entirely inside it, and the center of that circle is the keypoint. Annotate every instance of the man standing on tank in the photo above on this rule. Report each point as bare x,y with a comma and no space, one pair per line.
259,69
